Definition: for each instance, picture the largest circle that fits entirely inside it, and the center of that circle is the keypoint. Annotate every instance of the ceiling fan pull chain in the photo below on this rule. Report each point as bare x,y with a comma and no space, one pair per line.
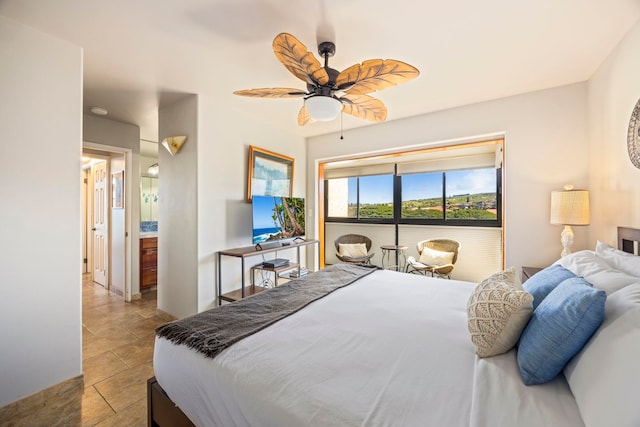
341,116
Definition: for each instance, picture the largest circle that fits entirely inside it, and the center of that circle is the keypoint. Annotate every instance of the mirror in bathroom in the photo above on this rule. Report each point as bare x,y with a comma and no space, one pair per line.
148,198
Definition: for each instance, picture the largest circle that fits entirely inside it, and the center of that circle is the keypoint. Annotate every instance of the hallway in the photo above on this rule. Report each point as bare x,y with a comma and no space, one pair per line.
117,357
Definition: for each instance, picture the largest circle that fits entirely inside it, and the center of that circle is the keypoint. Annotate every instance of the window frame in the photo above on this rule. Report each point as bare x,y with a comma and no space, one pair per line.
397,207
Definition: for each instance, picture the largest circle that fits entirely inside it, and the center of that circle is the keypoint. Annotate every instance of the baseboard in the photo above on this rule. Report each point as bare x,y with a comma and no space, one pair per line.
165,316
137,296
53,398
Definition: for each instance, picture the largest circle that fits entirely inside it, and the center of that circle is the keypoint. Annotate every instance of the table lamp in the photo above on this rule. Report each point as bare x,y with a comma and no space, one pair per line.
569,207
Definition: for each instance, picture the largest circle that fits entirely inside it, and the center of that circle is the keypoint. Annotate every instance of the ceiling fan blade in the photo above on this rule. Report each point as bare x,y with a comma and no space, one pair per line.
375,74
364,107
274,92
304,117
297,59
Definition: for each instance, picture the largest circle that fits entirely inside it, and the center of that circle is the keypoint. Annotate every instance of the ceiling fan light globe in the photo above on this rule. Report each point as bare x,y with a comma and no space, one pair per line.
323,108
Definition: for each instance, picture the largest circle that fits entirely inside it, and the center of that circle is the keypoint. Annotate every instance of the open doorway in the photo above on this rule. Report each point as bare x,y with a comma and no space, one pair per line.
105,225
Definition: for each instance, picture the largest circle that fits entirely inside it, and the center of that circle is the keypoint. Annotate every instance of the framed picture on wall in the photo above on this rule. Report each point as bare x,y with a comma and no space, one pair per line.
117,190
270,174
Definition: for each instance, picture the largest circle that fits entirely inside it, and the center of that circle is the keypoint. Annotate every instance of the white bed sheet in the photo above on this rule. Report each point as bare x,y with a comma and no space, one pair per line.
389,350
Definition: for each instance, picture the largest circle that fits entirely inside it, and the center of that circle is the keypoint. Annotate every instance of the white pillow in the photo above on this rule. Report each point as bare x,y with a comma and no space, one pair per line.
620,260
604,376
353,250
432,257
596,271
497,311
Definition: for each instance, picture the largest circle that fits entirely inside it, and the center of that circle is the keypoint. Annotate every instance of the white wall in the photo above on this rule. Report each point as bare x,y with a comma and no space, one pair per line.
40,224
224,215
211,173
110,133
177,211
546,147
614,182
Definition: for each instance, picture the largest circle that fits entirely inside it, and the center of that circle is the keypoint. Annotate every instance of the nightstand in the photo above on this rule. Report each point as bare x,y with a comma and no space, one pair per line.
527,272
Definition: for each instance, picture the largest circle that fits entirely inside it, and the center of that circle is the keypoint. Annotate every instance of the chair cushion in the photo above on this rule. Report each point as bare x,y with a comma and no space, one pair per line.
498,310
352,250
559,328
432,257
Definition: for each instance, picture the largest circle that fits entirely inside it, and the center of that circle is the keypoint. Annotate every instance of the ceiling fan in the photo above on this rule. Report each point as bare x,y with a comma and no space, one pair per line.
328,91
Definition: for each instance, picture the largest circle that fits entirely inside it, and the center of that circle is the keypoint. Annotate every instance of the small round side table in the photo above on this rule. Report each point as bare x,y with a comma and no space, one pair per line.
400,259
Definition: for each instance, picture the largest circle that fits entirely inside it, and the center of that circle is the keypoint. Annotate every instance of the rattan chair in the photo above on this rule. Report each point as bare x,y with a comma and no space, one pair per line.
351,239
443,245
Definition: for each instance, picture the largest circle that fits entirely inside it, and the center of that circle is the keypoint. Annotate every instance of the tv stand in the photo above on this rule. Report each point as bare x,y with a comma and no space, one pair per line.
250,251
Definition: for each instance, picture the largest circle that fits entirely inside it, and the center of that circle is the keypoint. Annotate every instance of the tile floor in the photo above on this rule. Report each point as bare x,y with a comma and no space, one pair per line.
117,355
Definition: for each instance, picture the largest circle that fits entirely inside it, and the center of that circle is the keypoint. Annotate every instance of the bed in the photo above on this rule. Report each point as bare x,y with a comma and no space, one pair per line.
394,349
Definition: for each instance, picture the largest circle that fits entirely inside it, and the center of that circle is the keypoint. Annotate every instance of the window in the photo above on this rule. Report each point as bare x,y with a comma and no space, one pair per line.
456,186
360,198
471,194
422,196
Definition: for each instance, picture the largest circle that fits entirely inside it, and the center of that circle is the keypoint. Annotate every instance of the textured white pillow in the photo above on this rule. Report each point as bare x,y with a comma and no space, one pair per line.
620,260
498,310
604,376
596,271
432,257
353,250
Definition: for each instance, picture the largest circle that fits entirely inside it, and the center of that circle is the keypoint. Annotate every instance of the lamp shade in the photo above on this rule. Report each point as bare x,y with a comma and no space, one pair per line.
570,207
323,108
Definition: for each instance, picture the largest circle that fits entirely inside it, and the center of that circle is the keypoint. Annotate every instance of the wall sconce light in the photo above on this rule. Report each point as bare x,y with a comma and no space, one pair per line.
569,207
173,143
154,169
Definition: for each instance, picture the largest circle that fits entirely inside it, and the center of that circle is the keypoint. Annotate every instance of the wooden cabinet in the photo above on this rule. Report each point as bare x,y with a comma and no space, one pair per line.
148,262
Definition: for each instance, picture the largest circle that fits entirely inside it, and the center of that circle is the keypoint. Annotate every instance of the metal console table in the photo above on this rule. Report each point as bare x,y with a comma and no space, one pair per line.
250,251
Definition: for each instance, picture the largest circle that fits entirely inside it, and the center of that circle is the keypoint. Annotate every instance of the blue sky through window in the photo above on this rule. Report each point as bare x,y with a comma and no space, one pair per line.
379,188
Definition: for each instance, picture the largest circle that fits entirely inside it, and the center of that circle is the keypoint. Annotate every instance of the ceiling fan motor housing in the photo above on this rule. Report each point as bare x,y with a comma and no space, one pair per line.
327,49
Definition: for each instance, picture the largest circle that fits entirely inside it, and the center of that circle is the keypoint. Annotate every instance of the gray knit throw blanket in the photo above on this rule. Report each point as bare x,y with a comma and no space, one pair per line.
216,329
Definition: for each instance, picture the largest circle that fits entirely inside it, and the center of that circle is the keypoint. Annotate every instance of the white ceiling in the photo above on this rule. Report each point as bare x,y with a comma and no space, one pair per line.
142,54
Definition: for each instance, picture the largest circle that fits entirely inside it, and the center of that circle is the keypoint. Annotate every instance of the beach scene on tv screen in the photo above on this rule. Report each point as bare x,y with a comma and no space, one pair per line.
277,218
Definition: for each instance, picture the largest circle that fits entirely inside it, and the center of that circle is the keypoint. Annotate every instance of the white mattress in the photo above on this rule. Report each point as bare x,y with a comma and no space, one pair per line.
390,349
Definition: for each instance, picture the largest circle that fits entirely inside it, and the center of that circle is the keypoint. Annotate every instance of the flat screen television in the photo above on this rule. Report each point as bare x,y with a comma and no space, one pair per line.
277,218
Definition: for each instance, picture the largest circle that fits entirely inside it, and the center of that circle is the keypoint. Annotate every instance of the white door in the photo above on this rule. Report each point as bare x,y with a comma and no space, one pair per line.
100,223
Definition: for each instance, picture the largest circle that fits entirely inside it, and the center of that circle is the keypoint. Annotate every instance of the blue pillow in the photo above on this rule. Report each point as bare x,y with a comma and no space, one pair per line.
544,281
559,328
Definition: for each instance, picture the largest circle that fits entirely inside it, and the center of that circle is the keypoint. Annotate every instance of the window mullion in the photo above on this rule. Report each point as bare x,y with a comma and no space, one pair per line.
444,196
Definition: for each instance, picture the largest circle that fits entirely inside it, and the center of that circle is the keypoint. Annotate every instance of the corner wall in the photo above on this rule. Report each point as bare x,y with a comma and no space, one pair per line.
614,182
177,211
41,237
546,146
203,208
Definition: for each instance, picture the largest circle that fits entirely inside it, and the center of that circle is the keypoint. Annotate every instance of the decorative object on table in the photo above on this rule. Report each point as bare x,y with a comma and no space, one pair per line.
569,207
173,144
117,190
270,174
633,136
437,256
329,91
354,248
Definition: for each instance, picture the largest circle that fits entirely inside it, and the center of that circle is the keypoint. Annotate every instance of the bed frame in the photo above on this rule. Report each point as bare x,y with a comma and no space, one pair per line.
162,412
629,240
